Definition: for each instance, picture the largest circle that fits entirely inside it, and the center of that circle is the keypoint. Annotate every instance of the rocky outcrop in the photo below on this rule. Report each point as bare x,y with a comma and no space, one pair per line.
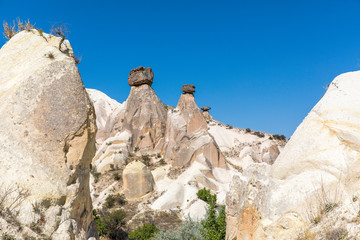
206,113
137,179
140,75
187,136
205,109
105,108
47,137
188,88
316,173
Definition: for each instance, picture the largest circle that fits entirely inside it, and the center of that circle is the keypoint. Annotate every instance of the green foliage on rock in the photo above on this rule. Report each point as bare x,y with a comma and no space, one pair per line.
214,225
205,195
145,232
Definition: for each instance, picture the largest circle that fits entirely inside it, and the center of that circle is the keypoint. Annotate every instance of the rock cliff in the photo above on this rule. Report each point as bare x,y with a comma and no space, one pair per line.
47,139
313,187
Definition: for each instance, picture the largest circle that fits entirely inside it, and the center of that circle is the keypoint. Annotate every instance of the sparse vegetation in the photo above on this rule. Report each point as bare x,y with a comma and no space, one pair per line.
113,224
111,200
336,234
136,149
188,230
11,30
248,130
279,137
162,162
146,159
117,176
6,236
259,134
144,232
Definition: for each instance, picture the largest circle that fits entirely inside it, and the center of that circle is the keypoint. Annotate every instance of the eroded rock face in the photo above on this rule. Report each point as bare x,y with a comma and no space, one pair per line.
318,166
47,135
145,118
137,179
188,88
187,136
140,75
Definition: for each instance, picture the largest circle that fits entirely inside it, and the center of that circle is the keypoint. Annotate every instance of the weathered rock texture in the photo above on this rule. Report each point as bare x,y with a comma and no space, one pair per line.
205,109
47,136
187,136
318,168
188,88
140,76
137,179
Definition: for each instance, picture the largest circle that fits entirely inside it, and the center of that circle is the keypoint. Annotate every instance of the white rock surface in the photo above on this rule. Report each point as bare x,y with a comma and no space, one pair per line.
319,166
47,136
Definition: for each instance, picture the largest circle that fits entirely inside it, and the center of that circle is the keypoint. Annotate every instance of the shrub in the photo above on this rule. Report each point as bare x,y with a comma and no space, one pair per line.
136,149
162,162
248,130
145,232
6,236
146,159
188,230
99,224
117,176
337,234
205,195
112,199
259,134
214,226
114,223
279,137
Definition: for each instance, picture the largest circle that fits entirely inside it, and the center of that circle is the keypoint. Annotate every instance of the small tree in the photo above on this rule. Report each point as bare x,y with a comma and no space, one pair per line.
145,232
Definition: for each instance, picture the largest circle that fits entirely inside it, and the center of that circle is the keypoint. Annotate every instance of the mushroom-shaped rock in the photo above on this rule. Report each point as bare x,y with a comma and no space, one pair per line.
205,109
188,88
140,75
137,179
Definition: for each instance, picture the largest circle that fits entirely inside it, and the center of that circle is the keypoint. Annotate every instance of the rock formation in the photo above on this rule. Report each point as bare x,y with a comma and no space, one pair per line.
140,75
137,180
206,113
187,136
136,125
47,138
315,174
188,88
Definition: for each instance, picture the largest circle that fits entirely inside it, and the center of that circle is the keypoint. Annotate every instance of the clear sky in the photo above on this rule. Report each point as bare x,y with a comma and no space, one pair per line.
259,64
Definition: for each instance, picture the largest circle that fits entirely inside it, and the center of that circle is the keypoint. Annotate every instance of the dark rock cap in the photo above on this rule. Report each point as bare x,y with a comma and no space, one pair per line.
188,88
205,108
140,75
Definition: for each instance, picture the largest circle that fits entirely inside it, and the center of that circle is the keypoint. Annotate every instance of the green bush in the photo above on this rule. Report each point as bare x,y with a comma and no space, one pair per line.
145,232
214,225
188,230
205,195
113,224
117,176
112,199
99,224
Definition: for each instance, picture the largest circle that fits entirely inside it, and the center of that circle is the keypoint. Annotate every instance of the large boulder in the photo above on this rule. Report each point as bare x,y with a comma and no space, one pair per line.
140,75
188,88
47,137
137,179
318,170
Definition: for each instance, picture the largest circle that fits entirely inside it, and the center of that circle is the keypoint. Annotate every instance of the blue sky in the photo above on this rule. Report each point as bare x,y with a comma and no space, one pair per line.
259,64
